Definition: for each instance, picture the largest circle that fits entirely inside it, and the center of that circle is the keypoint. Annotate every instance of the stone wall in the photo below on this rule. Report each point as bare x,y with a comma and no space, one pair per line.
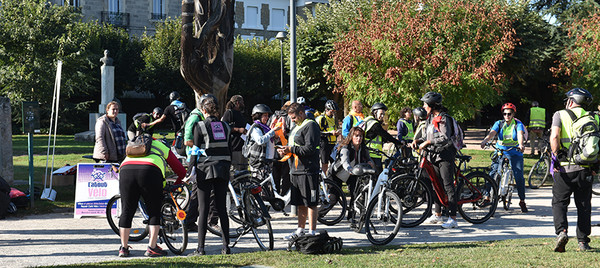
6,151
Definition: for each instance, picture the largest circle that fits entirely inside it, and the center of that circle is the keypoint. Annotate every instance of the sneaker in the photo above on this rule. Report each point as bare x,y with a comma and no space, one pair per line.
155,252
584,246
434,219
124,251
561,242
197,252
225,251
451,223
293,235
215,226
523,206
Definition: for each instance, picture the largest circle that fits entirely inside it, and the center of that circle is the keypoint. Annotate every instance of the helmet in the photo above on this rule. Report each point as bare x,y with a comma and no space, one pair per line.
205,97
377,106
300,100
331,105
432,98
158,111
580,96
535,104
261,109
174,96
420,113
509,105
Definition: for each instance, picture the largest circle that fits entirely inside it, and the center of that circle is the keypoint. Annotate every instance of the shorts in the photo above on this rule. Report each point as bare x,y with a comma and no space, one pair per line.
325,152
305,190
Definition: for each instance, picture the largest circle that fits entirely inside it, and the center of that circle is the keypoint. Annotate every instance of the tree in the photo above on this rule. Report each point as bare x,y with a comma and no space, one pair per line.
403,49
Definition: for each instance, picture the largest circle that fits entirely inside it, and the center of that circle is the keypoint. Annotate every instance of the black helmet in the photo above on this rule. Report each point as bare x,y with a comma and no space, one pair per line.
432,98
261,109
174,96
158,111
420,113
580,96
535,104
377,106
331,105
205,97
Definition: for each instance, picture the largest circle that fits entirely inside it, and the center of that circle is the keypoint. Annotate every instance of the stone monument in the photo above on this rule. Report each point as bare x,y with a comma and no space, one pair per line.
6,153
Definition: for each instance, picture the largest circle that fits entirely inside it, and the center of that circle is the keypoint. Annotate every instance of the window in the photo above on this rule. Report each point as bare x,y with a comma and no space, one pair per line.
157,10
252,17
278,21
74,3
113,5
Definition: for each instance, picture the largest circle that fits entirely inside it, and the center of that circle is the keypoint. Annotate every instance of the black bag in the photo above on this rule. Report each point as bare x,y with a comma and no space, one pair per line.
138,147
316,244
4,197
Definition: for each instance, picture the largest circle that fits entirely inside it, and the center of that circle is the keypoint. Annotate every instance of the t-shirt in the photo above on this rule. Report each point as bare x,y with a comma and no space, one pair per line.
170,114
235,119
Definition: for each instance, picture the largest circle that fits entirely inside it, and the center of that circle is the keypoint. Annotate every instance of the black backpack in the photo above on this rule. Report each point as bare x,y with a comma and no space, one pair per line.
316,244
181,113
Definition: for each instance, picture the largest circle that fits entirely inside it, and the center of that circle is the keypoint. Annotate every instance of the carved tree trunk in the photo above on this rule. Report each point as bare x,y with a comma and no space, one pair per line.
207,46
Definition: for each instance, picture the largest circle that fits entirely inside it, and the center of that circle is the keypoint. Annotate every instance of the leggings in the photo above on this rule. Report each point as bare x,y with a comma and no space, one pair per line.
220,188
136,181
445,170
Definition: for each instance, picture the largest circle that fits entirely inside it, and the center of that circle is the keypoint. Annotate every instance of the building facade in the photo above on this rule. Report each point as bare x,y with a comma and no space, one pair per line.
253,18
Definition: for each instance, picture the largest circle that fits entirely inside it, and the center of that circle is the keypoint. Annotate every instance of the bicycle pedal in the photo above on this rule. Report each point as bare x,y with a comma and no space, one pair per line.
285,214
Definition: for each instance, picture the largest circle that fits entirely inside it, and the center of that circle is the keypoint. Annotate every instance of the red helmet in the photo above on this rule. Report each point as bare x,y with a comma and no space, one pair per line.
509,105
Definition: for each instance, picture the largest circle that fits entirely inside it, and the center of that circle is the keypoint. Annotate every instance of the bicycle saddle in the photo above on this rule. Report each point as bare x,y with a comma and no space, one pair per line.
239,173
363,169
464,157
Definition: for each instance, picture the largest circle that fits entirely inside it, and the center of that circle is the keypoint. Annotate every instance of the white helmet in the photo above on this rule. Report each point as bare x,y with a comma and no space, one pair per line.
300,100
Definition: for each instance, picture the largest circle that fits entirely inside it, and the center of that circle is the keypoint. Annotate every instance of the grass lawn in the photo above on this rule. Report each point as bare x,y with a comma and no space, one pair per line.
507,253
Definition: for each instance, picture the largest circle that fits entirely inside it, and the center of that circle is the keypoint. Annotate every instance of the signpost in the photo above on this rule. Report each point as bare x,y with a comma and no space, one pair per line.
31,123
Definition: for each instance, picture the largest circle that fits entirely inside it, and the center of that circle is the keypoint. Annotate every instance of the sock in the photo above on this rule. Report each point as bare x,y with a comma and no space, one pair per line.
313,232
299,230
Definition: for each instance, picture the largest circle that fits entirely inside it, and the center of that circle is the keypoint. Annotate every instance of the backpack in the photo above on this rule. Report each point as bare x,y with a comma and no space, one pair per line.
138,147
585,136
316,244
458,135
181,112
247,146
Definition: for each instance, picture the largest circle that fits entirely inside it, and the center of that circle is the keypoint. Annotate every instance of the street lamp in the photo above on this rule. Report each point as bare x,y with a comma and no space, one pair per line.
280,36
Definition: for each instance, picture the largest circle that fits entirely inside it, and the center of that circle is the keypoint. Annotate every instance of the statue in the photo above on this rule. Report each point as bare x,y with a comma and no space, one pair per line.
106,60
207,35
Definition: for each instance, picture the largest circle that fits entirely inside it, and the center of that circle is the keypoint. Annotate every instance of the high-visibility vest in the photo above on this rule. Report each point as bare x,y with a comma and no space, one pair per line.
566,127
507,134
410,135
216,143
329,125
292,138
537,117
157,156
375,143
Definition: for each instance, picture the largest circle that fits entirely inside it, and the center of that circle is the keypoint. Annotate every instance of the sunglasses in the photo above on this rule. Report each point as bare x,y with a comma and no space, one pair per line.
505,114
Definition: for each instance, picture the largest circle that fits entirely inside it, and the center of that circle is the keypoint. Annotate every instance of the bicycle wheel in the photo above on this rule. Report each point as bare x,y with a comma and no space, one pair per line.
182,194
416,197
539,173
332,203
173,232
473,203
383,218
596,185
139,228
236,218
358,210
261,226
507,200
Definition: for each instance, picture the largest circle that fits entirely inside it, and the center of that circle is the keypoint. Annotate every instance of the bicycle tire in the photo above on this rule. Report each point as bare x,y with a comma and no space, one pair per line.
183,194
383,218
596,185
507,200
358,209
236,218
173,232
139,228
260,225
480,210
416,196
332,204
539,173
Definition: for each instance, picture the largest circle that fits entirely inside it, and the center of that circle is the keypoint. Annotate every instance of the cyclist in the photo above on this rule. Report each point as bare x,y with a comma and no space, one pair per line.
375,134
537,124
310,112
136,129
353,118
234,116
420,120
570,178
145,176
212,136
406,128
281,170
261,141
511,134
438,131
329,133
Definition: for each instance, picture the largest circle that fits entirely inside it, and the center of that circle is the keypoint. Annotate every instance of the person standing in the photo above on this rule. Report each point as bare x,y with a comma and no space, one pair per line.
376,135
235,118
261,142
353,118
329,133
537,124
303,143
281,170
110,137
406,129
511,134
176,112
570,178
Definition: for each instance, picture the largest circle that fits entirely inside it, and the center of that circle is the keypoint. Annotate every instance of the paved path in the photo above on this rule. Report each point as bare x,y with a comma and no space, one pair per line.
57,239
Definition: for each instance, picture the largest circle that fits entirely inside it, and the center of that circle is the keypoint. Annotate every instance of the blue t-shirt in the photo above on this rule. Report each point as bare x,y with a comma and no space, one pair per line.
518,127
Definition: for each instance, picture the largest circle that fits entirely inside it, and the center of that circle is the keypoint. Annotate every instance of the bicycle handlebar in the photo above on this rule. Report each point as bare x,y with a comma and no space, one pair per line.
487,145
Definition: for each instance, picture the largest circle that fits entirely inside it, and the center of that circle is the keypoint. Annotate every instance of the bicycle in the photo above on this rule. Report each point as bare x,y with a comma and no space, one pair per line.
476,192
504,175
540,171
172,230
376,206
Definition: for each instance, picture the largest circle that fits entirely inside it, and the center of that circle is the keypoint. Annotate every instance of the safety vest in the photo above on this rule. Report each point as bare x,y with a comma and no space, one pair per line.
327,126
216,141
411,132
292,138
138,124
537,117
567,125
375,143
507,134
157,156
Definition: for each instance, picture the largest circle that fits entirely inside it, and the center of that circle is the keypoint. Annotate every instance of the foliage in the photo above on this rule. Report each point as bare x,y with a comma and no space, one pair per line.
411,47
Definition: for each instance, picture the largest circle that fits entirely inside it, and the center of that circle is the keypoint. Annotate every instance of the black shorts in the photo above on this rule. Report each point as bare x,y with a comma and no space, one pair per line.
305,190
325,152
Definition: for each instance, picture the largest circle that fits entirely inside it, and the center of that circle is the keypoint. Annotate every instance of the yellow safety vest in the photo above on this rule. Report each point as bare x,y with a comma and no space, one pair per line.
157,156
411,132
566,127
292,138
375,143
329,126
507,134
537,117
